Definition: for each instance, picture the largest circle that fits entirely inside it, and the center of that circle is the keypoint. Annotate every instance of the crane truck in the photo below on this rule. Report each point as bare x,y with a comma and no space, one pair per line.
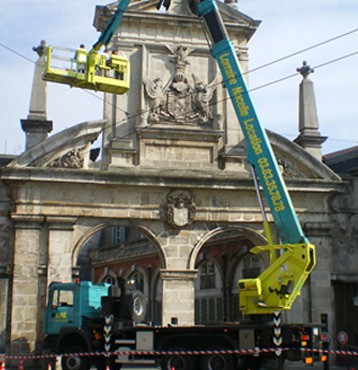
83,318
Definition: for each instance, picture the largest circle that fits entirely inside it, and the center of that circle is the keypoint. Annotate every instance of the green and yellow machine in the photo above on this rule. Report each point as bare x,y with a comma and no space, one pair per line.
293,257
82,317
90,70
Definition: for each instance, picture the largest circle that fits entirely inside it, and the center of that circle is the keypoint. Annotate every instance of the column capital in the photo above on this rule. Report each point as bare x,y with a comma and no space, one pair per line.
60,222
26,221
178,274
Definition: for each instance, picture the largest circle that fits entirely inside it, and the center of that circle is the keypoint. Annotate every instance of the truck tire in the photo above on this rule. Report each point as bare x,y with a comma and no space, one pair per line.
134,307
72,361
217,361
178,361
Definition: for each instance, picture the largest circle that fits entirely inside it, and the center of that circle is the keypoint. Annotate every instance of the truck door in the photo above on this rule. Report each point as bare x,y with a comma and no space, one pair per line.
60,310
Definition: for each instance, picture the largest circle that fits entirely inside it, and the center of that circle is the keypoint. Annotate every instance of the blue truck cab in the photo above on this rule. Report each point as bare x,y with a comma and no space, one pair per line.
70,304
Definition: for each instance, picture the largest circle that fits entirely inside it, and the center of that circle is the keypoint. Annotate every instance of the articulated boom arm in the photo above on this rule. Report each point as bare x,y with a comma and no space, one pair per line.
112,25
291,262
91,70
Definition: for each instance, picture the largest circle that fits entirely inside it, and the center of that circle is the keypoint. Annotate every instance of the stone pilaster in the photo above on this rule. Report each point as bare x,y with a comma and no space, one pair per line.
320,286
178,297
25,288
60,232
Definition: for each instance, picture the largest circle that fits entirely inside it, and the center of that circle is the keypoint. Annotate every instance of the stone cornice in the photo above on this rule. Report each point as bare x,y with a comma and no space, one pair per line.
178,274
164,178
27,221
61,223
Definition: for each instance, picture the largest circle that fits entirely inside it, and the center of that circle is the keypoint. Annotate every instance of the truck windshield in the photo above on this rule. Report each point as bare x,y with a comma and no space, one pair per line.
62,298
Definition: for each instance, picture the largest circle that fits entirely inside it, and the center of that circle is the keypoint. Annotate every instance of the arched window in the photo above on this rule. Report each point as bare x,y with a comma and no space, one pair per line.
208,294
207,275
109,279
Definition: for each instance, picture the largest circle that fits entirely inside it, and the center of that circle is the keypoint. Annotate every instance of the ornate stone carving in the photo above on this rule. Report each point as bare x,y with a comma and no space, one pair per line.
72,159
179,210
288,168
305,70
40,50
182,100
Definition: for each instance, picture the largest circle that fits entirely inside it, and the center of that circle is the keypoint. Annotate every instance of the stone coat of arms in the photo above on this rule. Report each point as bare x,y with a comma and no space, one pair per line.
182,99
179,209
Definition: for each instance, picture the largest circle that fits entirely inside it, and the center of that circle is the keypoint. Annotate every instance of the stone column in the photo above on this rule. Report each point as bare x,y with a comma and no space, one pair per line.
178,278
178,297
320,279
25,288
36,126
6,252
309,137
60,249
4,304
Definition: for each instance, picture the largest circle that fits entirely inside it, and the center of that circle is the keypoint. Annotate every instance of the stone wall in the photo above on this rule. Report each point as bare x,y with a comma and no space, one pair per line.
177,175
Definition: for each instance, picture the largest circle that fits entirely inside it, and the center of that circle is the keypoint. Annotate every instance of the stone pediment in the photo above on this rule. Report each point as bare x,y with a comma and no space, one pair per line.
177,8
295,162
67,149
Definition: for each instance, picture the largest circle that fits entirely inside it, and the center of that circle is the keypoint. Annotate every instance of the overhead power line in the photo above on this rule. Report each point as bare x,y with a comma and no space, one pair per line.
303,50
250,90
129,116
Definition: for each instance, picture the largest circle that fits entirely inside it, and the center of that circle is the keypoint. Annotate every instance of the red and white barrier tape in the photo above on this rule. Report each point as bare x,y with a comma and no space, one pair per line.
253,351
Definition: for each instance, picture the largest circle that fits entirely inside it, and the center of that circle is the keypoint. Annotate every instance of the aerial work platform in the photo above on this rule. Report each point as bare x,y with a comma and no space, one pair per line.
92,70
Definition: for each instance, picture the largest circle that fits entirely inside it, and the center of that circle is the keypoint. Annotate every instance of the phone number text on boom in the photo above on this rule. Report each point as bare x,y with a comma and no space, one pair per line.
271,185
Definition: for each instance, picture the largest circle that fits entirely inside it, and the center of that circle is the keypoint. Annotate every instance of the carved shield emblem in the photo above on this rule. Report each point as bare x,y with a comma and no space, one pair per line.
179,209
180,216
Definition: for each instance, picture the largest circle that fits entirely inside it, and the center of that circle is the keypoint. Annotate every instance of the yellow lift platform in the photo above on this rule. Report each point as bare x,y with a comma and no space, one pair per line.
91,70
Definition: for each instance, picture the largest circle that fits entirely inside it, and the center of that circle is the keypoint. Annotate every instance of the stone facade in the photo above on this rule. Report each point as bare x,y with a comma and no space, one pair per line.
163,145
344,232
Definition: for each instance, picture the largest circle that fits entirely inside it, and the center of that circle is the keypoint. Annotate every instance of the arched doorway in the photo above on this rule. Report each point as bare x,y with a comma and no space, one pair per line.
122,252
222,260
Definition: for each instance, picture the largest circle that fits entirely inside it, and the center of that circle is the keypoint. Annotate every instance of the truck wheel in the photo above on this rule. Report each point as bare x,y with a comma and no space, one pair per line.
72,361
134,306
178,361
217,361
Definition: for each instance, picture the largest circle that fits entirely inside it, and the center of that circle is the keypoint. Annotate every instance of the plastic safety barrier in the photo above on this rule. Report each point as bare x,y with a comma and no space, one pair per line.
254,351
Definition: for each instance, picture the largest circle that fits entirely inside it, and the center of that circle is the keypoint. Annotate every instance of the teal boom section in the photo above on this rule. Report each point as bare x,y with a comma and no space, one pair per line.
259,152
112,25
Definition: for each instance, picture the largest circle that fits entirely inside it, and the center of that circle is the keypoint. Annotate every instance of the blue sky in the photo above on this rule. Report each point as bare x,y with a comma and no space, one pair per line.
287,27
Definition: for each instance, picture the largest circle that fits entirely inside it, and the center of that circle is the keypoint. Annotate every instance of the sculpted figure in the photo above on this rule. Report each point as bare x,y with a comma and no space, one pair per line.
40,50
155,91
202,96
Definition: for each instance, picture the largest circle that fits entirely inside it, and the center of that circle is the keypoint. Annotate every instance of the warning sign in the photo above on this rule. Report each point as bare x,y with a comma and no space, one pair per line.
342,337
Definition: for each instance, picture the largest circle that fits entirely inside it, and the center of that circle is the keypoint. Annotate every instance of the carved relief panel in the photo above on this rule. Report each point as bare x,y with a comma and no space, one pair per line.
181,97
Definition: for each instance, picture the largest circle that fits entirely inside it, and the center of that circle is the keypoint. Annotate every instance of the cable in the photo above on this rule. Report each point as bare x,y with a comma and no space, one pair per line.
303,50
343,140
244,73
128,116
336,60
250,90
17,53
